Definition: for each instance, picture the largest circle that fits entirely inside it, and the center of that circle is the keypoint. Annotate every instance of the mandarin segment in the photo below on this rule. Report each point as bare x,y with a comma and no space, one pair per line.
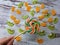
28,8
40,41
41,17
16,21
12,17
50,20
43,24
12,8
45,11
18,38
37,8
18,11
42,6
26,4
53,12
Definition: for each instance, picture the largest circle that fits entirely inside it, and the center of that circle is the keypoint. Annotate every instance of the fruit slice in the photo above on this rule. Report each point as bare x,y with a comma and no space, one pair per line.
18,11
41,17
51,27
34,1
25,16
42,33
43,24
47,15
50,20
52,36
33,30
18,38
20,4
13,17
21,30
45,11
11,31
28,8
10,23
32,12
12,8
40,41
53,12
37,9
26,4
42,6
16,21
55,20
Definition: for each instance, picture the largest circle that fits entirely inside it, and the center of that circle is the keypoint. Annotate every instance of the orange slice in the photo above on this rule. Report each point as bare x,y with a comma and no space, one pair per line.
53,12
26,4
13,17
40,41
50,19
12,8
43,24
18,38
42,6
45,11
28,8
37,8
18,11
16,21
41,17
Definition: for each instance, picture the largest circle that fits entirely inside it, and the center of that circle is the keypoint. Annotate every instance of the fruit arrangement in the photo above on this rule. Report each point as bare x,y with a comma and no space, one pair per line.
36,18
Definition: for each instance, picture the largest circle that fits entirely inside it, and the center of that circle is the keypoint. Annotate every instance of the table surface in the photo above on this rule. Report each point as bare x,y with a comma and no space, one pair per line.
4,14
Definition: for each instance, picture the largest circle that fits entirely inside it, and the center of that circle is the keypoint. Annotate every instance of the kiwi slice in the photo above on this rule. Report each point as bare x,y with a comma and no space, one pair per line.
11,31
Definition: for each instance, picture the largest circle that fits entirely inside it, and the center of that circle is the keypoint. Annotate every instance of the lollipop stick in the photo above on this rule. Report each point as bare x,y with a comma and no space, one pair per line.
20,34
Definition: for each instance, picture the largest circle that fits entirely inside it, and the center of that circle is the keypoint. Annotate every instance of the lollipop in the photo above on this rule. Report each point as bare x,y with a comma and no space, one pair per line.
33,25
